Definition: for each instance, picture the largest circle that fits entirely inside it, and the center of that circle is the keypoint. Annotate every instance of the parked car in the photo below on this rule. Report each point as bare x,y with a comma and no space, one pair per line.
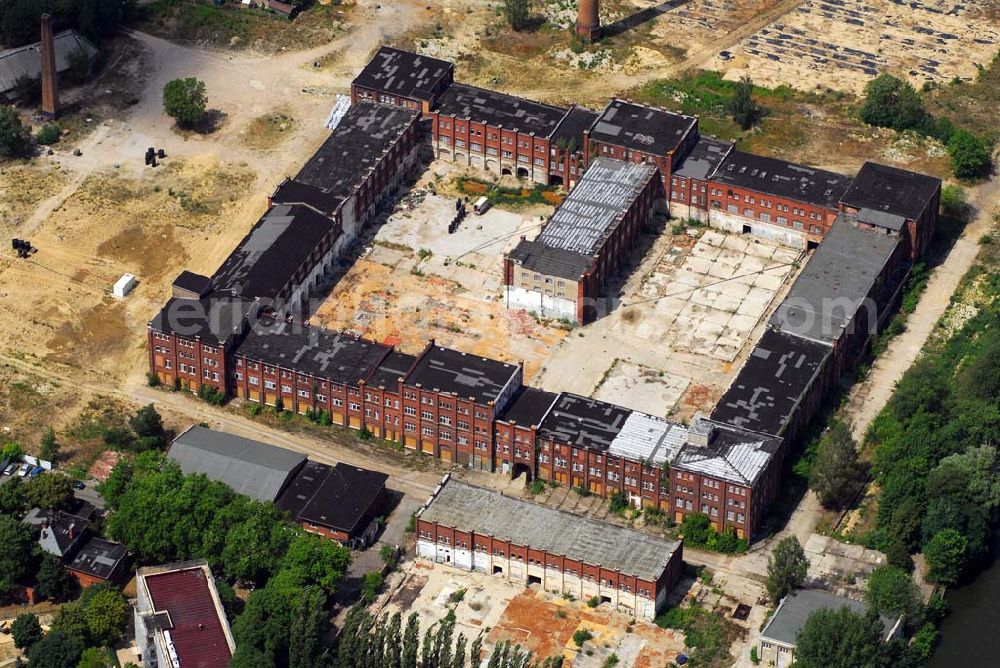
79,484
10,469
37,471
23,471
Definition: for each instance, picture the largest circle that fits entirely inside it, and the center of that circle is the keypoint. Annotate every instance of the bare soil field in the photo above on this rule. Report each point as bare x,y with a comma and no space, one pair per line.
843,44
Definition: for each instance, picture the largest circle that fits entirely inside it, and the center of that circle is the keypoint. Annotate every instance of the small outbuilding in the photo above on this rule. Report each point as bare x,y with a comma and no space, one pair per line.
123,286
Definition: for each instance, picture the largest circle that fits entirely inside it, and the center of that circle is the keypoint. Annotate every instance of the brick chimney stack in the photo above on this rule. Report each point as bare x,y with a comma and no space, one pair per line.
588,21
50,97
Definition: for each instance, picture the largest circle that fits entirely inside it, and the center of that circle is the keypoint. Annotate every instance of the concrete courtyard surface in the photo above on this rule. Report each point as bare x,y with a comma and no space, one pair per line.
537,620
414,281
682,321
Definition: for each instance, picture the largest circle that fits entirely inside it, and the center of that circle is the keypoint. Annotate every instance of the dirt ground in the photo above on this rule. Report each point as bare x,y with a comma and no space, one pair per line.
537,620
842,45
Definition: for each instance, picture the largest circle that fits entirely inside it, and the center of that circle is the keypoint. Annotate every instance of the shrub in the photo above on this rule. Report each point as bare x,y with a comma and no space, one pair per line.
537,486
255,409
185,100
581,636
593,602
48,134
619,502
970,155
370,586
13,135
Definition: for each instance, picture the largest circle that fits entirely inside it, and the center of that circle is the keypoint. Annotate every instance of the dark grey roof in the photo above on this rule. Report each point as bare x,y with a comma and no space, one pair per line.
62,532
264,262
250,467
585,423
835,282
767,390
469,508
782,179
338,357
98,557
641,128
890,221
890,189
466,376
404,73
355,146
291,191
339,497
536,256
573,125
498,109
703,158
528,407
597,204
794,610
732,454
192,282
27,60
393,367
215,318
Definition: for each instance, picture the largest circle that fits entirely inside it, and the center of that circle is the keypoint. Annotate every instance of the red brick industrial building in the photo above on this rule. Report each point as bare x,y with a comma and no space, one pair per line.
478,529
240,331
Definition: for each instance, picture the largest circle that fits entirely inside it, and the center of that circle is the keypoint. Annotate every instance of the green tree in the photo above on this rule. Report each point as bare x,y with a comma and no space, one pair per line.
394,642
371,585
837,475
71,619
12,500
695,528
147,424
106,613
459,659
970,155
56,650
311,560
891,102
411,641
945,554
786,568
742,106
892,592
839,639
14,137
310,625
262,631
50,447
476,650
55,583
50,491
924,642
185,100
254,547
17,549
25,630
517,13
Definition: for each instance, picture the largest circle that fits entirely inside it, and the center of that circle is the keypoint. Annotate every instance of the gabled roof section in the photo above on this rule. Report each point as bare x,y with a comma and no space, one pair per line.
338,497
27,60
782,179
499,109
250,467
466,376
729,453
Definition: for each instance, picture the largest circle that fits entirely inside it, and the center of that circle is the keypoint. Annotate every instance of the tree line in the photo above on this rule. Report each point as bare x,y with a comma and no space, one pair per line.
367,641
96,19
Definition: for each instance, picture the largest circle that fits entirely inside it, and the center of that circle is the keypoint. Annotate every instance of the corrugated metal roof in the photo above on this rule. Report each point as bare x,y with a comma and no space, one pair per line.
648,438
469,508
250,467
733,454
27,60
597,203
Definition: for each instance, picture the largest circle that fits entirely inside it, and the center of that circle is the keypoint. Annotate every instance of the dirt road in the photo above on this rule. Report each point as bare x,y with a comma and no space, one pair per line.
868,398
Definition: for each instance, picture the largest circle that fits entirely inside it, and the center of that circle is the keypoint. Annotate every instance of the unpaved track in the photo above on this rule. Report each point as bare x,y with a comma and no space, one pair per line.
868,398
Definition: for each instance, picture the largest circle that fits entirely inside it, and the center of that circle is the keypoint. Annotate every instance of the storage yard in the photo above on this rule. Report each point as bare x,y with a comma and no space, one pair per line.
842,44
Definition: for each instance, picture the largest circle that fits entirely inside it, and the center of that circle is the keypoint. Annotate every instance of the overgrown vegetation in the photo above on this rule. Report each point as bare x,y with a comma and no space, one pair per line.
698,531
933,456
536,194
706,635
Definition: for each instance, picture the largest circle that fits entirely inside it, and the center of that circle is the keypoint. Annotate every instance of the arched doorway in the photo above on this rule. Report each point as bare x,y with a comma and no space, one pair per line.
519,470
522,173
505,171
555,180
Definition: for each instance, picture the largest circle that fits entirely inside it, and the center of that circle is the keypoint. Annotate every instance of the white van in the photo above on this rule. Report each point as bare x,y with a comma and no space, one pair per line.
481,205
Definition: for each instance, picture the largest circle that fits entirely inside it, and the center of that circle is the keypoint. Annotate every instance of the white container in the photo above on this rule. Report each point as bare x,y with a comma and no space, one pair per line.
123,286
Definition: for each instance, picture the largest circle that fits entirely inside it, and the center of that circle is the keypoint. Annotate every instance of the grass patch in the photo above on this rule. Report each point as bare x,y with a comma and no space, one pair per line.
269,130
234,26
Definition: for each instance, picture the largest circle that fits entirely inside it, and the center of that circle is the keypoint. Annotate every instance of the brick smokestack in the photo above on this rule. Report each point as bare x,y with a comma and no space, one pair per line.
588,21
50,97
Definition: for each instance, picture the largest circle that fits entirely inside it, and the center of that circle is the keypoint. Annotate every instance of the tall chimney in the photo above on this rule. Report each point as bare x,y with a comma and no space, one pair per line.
50,98
588,21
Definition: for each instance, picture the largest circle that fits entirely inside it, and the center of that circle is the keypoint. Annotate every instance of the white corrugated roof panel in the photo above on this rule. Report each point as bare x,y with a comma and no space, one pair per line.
648,438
